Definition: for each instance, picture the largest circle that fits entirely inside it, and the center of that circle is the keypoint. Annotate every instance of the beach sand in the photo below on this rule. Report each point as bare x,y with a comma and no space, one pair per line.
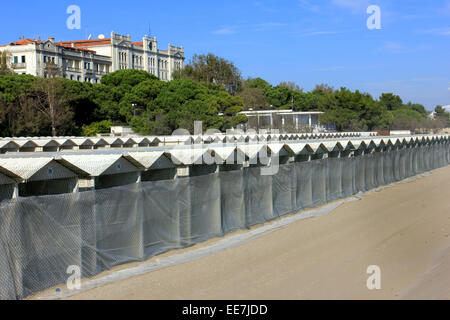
404,229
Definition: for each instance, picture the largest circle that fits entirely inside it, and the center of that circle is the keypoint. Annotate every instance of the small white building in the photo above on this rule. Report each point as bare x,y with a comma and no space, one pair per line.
282,119
122,131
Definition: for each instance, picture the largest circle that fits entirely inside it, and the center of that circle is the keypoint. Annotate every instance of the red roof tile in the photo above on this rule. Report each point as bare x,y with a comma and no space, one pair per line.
86,43
89,40
22,42
74,48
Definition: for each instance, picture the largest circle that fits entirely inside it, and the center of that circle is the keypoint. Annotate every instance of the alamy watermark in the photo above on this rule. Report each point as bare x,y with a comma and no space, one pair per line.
74,280
374,20
74,20
374,280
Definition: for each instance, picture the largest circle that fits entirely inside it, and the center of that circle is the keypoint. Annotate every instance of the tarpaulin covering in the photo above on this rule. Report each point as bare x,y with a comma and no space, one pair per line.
40,237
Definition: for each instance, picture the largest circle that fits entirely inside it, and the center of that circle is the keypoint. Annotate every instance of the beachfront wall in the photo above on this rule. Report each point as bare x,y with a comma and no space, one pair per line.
40,237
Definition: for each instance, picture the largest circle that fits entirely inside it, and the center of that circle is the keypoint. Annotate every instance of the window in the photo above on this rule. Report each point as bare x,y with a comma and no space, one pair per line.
23,59
16,59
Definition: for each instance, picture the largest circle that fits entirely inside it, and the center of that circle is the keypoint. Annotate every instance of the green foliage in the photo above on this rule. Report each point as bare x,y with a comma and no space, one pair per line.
210,68
5,58
254,98
258,83
391,101
177,104
347,110
442,116
201,91
126,78
16,117
417,107
95,128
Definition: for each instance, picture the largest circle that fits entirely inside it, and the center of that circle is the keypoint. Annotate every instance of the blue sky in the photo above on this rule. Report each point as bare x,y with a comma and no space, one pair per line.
306,41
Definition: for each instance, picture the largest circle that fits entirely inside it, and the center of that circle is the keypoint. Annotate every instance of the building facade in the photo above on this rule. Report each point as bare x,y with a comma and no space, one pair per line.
283,120
89,60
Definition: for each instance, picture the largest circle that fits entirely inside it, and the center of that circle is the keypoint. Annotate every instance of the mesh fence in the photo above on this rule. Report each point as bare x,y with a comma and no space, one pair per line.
40,237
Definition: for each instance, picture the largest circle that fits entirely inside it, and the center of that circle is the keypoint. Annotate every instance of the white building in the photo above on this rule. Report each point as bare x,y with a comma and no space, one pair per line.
89,60
282,120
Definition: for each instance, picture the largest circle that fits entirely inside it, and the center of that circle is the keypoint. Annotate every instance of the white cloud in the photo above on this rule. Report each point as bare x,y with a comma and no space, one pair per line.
354,5
333,68
233,29
439,32
395,47
316,33
392,46
263,7
426,79
225,31
268,25
305,4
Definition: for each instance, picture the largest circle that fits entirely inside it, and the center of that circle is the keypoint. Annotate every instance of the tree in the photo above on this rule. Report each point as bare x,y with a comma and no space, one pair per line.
49,99
291,85
417,107
17,116
391,101
442,115
254,98
323,89
165,107
213,69
97,127
257,83
5,57
127,78
21,119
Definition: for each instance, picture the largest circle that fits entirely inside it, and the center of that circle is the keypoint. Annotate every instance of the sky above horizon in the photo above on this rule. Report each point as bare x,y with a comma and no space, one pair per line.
306,41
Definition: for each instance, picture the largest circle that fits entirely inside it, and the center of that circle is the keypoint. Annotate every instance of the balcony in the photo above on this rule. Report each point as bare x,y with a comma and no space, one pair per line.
19,65
72,69
101,72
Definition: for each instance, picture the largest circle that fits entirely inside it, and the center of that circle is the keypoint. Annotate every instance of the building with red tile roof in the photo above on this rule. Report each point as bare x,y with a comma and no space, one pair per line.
88,60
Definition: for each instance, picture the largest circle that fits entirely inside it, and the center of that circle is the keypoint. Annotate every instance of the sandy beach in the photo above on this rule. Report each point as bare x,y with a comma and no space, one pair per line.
404,229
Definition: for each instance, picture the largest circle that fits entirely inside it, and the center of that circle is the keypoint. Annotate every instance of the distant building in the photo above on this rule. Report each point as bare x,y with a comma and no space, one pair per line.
122,131
432,115
283,120
89,60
